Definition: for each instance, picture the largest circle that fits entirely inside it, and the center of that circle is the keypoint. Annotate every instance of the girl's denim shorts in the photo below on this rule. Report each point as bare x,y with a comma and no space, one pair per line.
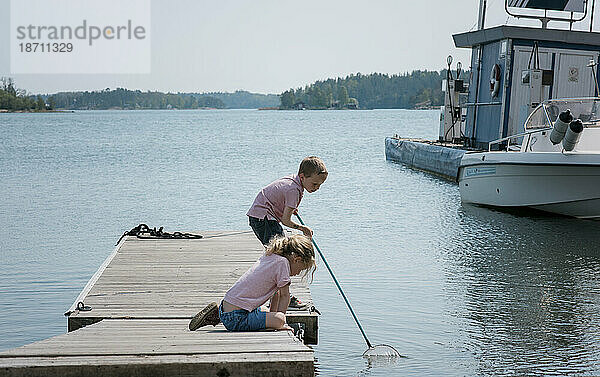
243,320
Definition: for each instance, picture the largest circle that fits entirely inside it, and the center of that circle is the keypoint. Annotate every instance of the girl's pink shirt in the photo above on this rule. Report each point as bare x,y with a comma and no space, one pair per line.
260,282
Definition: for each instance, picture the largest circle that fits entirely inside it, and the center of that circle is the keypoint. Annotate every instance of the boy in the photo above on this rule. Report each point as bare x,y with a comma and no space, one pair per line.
276,203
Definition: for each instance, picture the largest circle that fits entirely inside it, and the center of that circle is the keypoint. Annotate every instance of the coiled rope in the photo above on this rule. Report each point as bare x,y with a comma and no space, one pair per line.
143,231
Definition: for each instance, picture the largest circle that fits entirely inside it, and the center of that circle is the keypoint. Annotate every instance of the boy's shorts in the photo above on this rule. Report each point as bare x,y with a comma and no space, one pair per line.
265,229
243,320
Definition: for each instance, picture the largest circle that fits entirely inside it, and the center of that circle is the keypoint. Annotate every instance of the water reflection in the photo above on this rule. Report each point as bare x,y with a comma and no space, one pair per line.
382,364
528,291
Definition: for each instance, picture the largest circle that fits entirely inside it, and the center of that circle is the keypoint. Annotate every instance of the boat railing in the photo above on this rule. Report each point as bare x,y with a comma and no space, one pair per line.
541,120
509,138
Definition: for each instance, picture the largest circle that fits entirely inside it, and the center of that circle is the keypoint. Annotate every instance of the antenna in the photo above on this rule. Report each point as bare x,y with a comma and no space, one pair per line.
481,20
592,15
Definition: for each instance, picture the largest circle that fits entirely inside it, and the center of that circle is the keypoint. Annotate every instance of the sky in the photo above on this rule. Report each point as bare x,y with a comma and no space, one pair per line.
269,46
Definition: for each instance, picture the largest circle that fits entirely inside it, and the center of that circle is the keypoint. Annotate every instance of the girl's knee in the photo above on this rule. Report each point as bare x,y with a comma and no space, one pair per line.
281,317
275,320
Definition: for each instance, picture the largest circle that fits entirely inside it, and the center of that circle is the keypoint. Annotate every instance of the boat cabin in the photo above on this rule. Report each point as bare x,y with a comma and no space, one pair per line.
514,69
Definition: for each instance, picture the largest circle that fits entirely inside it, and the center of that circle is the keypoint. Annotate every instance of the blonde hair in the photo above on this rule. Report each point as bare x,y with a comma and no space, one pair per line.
295,245
312,165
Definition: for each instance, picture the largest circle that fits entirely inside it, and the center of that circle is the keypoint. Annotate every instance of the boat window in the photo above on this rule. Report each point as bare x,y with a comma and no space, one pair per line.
537,119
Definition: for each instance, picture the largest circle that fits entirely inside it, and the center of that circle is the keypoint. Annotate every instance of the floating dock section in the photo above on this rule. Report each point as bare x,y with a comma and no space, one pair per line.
442,159
142,299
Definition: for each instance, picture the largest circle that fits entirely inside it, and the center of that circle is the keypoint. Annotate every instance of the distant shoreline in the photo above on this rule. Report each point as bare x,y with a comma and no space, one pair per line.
65,111
5,111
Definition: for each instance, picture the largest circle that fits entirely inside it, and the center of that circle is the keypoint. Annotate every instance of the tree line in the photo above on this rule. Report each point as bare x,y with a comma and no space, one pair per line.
372,91
417,89
130,99
15,99
242,99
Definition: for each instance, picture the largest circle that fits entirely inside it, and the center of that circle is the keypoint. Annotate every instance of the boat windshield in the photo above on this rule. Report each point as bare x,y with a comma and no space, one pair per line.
586,109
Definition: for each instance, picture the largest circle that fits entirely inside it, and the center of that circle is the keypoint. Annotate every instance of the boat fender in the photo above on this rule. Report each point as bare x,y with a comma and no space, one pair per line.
495,80
560,126
573,134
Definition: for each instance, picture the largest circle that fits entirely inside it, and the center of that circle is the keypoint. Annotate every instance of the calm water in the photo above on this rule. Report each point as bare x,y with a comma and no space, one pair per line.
459,290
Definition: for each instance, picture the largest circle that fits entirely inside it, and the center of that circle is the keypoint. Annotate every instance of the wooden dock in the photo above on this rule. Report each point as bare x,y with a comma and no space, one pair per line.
142,299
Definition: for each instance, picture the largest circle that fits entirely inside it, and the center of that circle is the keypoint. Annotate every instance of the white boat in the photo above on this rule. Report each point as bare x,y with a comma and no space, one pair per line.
562,178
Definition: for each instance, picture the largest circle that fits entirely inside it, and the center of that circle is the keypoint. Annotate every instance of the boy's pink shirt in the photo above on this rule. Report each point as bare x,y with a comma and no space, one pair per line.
272,199
260,282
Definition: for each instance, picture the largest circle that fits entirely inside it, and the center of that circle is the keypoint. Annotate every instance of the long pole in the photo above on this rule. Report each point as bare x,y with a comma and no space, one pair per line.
594,67
592,15
339,288
481,19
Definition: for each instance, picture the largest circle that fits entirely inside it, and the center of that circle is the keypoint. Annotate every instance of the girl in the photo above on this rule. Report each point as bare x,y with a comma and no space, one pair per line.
268,277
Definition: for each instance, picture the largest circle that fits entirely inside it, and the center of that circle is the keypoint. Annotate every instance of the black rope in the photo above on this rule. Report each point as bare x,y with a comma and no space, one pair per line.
143,231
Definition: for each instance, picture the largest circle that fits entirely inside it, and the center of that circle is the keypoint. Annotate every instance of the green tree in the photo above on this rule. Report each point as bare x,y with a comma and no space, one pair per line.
342,95
8,86
51,103
40,105
288,99
318,98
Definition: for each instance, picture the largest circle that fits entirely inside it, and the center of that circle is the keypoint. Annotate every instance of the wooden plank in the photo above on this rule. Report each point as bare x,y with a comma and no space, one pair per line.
254,364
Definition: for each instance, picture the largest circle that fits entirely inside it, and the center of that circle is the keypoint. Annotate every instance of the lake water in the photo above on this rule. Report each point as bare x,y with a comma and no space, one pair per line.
459,290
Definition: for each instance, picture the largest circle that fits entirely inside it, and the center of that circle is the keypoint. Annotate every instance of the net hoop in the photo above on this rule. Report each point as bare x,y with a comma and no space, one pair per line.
381,350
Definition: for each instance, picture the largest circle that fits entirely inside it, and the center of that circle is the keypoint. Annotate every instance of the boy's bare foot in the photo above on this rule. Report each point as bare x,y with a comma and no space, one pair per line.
207,316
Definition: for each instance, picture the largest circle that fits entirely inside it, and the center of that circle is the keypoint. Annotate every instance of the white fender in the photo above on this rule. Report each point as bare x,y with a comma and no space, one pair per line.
573,134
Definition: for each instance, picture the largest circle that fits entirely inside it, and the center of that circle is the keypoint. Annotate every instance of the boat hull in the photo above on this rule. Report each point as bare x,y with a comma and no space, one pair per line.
552,182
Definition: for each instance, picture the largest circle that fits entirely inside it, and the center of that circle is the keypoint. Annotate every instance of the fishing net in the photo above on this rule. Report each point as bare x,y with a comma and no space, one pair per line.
373,353
381,350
